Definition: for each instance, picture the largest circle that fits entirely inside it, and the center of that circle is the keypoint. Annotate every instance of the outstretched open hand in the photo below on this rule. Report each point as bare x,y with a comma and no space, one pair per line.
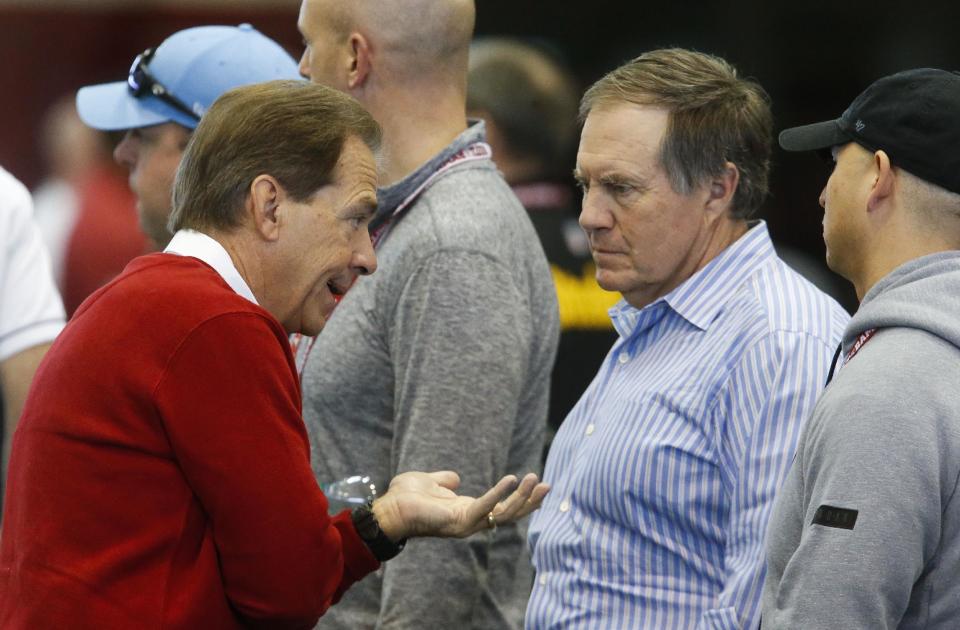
426,504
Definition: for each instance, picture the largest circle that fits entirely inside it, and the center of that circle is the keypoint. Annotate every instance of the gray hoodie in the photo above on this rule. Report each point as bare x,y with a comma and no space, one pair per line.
866,530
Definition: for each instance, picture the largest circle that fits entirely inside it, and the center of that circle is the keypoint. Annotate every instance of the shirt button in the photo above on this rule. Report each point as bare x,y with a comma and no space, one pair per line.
589,430
623,358
543,580
564,505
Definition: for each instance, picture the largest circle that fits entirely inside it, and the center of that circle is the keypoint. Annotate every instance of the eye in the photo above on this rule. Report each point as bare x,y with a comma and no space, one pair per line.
360,221
618,189
582,185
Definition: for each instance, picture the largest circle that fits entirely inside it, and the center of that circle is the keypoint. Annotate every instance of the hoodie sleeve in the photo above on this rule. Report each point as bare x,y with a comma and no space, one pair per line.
873,474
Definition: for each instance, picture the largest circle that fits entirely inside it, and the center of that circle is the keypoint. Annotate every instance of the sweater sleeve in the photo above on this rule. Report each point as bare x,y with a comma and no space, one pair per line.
230,404
769,395
460,344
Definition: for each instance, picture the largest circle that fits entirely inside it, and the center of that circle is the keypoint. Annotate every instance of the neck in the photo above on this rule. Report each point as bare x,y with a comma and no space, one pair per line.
417,125
246,260
907,236
889,258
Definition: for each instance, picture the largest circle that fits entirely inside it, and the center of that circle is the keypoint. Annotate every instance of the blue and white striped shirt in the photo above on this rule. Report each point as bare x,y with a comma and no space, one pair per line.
664,473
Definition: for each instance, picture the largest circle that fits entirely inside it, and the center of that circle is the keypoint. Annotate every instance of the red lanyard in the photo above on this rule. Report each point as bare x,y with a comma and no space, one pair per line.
861,341
475,151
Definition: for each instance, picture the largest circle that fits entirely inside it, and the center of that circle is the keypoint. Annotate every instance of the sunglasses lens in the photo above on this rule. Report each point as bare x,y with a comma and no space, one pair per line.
135,78
138,79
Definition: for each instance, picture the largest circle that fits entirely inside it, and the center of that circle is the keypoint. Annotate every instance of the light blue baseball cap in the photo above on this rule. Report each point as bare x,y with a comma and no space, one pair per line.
181,78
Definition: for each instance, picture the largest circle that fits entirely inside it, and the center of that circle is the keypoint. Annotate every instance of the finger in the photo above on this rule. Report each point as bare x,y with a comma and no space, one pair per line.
477,512
535,500
446,478
509,508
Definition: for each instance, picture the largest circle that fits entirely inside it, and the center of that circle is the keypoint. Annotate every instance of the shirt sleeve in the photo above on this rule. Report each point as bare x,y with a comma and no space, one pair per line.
882,446
760,412
31,312
230,403
460,343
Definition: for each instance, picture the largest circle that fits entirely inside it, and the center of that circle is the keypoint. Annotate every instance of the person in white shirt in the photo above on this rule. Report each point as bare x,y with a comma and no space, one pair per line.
31,313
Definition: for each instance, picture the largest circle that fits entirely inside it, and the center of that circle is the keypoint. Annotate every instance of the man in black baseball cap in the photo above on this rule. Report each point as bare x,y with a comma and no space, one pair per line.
866,530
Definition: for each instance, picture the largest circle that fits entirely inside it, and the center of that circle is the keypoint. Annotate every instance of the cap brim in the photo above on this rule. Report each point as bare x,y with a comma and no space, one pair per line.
815,137
111,107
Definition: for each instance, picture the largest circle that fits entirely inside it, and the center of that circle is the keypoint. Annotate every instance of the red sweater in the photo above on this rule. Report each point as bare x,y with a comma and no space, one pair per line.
160,474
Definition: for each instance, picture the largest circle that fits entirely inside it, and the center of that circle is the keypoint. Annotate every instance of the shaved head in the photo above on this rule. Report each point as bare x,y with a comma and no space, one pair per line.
411,39
404,60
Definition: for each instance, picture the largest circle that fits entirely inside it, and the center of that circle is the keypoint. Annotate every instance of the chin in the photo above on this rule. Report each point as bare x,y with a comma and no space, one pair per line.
607,280
312,329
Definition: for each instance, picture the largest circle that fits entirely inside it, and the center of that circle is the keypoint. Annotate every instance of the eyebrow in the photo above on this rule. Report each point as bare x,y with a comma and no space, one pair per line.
617,178
610,176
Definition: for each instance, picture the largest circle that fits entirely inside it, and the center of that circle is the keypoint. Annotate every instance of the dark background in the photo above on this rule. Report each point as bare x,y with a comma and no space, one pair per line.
812,57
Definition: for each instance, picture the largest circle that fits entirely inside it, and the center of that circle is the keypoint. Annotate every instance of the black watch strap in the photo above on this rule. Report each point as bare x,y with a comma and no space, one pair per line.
370,533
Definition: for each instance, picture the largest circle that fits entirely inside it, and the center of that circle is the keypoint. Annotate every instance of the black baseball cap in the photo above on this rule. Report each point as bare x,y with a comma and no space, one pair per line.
913,116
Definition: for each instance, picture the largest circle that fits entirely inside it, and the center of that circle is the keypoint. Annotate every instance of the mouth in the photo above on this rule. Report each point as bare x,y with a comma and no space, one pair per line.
339,287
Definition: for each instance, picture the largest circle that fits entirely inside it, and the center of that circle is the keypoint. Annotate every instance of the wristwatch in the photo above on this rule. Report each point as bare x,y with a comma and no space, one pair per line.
365,522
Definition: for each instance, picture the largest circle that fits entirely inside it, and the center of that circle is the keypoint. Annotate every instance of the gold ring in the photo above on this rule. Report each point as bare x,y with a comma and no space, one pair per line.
491,521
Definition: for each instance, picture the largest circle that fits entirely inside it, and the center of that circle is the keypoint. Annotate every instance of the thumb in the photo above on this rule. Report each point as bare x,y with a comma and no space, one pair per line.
446,478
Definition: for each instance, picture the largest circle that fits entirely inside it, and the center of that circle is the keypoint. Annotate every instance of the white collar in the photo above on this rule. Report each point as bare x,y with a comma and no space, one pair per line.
202,247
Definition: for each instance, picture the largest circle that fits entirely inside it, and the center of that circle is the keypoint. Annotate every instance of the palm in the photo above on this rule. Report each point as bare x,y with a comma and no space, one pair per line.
425,504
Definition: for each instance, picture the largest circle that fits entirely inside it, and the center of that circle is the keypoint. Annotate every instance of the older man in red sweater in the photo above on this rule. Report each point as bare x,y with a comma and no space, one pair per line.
160,476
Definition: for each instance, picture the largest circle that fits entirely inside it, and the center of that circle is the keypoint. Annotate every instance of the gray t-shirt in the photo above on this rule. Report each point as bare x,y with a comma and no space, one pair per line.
440,360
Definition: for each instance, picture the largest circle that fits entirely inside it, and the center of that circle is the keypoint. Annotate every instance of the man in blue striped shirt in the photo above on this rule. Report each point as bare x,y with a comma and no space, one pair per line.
664,473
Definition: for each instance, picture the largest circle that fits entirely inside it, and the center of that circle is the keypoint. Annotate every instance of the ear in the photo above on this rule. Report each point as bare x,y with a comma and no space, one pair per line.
883,183
263,205
359,60
722,188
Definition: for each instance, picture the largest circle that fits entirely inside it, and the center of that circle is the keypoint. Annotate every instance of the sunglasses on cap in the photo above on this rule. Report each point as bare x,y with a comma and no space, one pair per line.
141,83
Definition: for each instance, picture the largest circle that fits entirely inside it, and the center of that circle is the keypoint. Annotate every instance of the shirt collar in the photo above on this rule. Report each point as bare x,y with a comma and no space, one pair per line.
699,298
204,248
389,197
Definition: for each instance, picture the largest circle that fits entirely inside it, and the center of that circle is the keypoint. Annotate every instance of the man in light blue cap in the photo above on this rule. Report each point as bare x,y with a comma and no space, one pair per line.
166,92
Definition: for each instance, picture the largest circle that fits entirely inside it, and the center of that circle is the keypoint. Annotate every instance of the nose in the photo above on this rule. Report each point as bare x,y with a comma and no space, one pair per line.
823,198
594,215
364,260
304,67
125,153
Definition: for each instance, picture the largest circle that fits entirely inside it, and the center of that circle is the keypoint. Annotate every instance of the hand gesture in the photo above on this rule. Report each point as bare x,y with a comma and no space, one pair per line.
426,504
